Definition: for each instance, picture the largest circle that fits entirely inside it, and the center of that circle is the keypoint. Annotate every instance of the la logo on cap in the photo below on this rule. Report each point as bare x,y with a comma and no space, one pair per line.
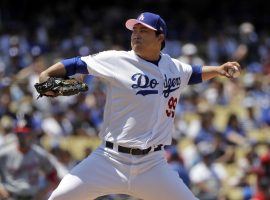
141,17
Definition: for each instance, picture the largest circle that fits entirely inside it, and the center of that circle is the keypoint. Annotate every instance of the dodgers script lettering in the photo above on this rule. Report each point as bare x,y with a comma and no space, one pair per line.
170,85
143,81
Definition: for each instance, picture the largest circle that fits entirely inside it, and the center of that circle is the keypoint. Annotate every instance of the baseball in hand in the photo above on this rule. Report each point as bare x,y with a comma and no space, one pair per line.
234,72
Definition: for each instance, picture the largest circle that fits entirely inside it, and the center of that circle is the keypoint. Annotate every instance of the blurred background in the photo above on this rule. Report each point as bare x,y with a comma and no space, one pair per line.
221,141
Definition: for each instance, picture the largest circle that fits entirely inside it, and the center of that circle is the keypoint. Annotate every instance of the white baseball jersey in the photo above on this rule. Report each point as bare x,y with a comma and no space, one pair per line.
141,96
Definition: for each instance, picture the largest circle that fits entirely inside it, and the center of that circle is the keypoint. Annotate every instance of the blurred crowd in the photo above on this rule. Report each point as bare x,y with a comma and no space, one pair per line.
221,141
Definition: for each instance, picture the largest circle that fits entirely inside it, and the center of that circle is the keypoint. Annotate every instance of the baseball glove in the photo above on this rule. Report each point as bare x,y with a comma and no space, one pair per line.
60,87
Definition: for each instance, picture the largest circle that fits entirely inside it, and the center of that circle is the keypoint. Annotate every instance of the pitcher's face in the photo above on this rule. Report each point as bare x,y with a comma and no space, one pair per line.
145,40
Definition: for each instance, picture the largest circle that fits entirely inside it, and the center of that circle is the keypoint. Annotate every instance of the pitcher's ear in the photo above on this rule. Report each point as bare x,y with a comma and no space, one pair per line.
161,37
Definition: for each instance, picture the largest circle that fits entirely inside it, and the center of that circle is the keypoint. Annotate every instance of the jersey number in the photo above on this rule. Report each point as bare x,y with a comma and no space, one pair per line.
171,107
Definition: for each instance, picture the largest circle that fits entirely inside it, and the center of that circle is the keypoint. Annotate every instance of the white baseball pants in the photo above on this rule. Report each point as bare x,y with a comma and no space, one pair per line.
107,171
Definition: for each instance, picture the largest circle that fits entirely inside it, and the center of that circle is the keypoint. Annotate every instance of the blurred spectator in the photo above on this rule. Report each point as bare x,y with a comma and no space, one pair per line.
247,52
207,129
176,163
220,47
206,175
190,55
26,169
202,129
64,157
216,93
190,154
251,120
258,92
222,152
57,124
263,178
6,135
234,132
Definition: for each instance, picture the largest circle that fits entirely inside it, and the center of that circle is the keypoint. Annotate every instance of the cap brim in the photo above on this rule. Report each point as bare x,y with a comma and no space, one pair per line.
131,22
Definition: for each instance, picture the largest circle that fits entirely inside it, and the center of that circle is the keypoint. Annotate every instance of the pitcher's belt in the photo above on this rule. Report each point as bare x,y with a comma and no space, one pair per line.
133,151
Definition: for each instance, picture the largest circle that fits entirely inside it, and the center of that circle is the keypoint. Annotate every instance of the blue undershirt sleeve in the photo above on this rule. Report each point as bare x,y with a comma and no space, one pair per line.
196,76
75,65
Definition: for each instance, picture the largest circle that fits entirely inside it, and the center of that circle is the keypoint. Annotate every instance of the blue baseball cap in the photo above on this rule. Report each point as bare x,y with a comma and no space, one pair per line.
150,20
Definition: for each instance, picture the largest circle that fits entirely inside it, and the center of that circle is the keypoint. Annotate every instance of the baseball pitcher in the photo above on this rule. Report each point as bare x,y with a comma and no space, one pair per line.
143,89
